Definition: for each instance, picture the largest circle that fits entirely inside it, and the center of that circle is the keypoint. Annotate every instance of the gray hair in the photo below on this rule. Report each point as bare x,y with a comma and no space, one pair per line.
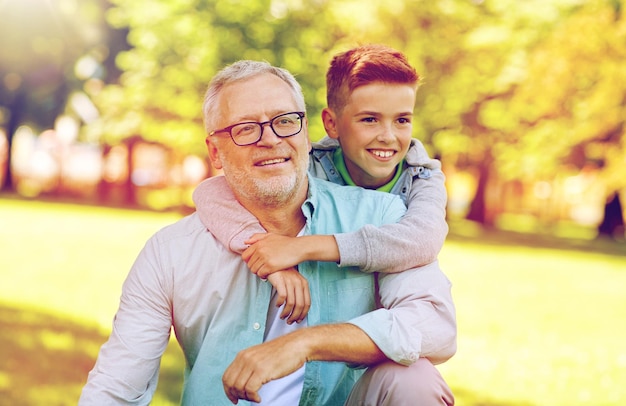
242,70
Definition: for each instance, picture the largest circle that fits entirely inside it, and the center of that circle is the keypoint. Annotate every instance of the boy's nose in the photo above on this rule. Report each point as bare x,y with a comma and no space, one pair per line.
386,134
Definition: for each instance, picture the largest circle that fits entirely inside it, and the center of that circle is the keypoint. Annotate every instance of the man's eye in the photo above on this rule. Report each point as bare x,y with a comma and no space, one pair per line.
284,121
244,129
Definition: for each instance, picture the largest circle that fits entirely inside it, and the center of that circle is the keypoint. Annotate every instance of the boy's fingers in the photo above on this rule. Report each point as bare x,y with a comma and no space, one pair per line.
254,238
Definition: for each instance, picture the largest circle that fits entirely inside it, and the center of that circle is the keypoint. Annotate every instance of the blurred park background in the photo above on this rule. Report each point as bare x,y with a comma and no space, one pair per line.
524,102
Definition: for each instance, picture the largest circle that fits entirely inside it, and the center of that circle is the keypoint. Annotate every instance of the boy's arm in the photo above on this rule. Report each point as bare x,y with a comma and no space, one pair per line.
235,227
412,242
416,239
269,253
232,225
224,217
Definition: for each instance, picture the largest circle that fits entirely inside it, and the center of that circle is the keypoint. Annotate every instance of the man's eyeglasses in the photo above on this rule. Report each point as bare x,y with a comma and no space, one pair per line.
250,132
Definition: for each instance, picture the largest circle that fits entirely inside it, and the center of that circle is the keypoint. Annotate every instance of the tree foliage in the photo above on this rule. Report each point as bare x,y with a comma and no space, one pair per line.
514,90
178,45
511,90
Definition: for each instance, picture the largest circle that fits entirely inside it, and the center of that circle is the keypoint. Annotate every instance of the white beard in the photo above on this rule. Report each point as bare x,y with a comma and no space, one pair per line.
275,191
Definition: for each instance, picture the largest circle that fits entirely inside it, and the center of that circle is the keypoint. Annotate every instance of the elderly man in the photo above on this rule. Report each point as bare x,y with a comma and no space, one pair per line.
225,318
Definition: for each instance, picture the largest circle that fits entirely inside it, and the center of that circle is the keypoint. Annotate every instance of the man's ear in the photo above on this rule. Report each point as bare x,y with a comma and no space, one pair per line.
329,118
213,153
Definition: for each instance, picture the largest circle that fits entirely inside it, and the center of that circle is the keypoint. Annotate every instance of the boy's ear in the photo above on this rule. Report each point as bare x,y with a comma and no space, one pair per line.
213,153
329,118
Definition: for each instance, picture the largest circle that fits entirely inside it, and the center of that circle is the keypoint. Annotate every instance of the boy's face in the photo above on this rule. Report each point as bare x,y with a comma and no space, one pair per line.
374,130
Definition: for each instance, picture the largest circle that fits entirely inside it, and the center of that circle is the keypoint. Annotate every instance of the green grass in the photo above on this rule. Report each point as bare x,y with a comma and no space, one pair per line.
62,267
537,326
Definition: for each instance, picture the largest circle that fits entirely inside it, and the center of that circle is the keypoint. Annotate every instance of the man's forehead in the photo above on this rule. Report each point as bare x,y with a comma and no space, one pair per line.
263,95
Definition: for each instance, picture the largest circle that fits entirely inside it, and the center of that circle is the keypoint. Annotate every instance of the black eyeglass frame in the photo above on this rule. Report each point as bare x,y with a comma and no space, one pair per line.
228,129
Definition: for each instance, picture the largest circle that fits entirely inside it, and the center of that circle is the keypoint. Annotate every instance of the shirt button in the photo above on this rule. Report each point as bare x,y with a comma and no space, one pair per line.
256,326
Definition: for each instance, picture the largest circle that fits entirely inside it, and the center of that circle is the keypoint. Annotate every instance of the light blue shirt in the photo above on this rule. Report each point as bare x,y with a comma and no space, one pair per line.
186,279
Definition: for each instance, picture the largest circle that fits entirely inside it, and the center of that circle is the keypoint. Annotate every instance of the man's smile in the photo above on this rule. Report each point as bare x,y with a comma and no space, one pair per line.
272,161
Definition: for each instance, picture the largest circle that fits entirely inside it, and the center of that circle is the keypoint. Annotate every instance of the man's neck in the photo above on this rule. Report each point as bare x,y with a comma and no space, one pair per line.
283,223
284,219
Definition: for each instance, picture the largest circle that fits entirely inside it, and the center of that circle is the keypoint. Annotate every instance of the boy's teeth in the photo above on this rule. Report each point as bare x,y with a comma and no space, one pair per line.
383,154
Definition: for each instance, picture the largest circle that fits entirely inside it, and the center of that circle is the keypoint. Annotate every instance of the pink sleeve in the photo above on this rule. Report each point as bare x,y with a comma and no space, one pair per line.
222,214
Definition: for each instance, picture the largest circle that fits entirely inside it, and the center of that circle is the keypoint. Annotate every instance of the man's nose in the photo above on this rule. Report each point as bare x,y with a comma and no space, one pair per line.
268,136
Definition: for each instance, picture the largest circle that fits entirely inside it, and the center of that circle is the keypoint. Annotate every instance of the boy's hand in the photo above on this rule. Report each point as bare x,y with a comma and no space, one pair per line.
269,253
293,291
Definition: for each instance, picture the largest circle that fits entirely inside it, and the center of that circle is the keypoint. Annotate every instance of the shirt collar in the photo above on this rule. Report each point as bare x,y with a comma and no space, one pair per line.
308,207
340,164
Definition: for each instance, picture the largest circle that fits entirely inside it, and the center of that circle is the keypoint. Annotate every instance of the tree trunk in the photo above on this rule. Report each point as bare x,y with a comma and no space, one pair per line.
18,105
130,190
613,222
478,210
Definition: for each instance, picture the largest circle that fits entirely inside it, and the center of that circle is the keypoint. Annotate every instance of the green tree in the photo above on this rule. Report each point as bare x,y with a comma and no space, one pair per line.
178,45
498,83
579,96
512,90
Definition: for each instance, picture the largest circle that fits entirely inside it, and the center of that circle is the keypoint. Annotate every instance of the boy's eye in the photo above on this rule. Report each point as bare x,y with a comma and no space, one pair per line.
368,119
404,120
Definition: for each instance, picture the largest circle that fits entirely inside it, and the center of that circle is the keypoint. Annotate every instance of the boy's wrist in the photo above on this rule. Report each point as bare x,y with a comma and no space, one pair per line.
319,248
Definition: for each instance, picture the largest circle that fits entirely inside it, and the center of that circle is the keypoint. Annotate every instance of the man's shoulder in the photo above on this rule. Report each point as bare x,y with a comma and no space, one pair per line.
187,226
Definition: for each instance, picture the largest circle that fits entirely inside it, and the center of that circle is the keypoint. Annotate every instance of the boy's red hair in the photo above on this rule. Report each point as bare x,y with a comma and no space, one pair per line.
363,65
